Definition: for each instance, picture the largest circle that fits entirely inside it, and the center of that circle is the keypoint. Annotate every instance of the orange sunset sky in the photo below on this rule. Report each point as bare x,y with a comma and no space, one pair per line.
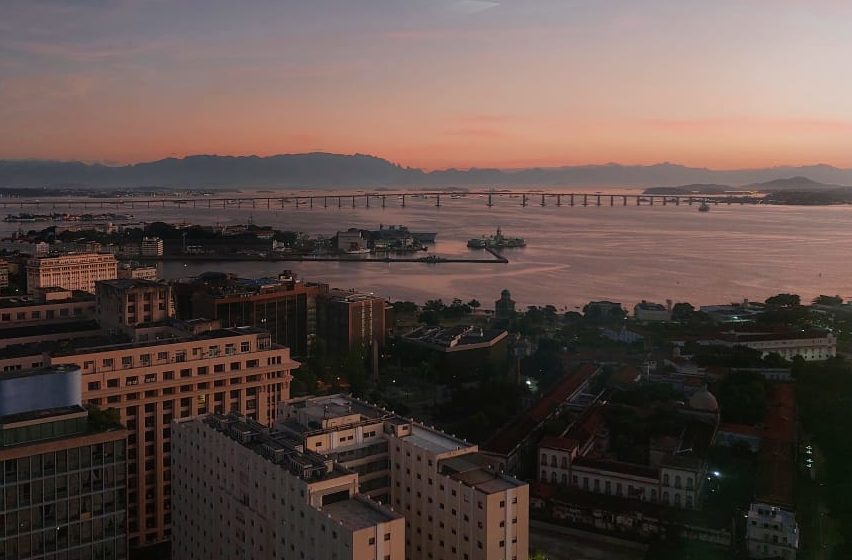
430,83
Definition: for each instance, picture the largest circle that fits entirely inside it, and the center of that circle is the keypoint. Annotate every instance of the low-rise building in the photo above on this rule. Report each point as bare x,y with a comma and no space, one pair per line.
461,351
46,306
581,458
138,272
810,345
771,532
243,491
63,470
648,312
78,271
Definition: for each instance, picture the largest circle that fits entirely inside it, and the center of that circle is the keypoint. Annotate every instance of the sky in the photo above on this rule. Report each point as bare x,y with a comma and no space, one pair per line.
430,83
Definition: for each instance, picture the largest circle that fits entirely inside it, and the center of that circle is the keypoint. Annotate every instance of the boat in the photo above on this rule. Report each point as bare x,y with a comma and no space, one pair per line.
497,241
364,251
704,206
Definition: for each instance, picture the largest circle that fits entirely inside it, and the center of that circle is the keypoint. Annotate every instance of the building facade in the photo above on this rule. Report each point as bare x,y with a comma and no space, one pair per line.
138,272
77,271
242,491
64,473
347,320
284,306
125,303
771,532
51,305
151,247
177,374
456,505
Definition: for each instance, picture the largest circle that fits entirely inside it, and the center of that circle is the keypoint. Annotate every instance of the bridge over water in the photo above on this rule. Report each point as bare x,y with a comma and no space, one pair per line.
381,199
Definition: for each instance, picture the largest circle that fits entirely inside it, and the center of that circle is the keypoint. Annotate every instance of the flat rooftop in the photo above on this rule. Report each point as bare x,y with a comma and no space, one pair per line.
359,513
30,301
434,441
454,337
473,470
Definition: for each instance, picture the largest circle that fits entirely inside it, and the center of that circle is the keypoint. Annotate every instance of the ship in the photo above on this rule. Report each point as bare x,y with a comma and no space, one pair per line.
496,241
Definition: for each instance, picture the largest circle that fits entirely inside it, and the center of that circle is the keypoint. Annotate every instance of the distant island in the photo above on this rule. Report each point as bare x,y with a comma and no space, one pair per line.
797,190
358,171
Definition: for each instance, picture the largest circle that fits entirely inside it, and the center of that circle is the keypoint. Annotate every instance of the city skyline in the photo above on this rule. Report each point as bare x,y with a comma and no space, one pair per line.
430,83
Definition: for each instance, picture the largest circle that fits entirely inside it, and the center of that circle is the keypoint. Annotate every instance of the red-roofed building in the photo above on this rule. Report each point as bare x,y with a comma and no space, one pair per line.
506,446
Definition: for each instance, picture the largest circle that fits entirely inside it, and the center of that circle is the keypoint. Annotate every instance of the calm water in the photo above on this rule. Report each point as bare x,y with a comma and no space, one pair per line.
573,254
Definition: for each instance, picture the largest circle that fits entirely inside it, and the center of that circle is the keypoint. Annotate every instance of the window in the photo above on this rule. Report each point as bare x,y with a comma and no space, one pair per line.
108,363
162,356
230,349
94,385
245,346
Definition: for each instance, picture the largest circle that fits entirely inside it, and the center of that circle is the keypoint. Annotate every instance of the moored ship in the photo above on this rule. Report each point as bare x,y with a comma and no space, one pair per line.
496,241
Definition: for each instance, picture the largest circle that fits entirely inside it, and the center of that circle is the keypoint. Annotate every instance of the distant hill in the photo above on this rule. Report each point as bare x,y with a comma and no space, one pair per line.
324,170
797,183
698,188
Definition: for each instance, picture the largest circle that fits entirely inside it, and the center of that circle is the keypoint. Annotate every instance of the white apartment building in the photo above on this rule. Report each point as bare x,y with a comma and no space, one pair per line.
242,491
771,532
151,247
456,505
76,271
810,345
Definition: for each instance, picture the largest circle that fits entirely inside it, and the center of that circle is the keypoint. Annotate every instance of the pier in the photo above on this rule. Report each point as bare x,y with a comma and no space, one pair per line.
378,200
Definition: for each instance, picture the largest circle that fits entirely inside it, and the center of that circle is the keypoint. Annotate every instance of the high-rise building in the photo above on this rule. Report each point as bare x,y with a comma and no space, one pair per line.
76,271
242,491
347,320
456,505
179,372
4,273
63,470
284,306
126,303
151,247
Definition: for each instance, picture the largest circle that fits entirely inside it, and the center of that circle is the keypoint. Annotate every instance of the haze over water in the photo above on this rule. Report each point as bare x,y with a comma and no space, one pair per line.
573,254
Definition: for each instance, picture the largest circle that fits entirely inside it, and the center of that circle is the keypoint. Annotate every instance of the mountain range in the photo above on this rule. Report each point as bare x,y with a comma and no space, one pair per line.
325,170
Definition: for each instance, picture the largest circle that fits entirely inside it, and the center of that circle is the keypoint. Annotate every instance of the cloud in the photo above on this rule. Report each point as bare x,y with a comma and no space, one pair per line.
473,6
77,52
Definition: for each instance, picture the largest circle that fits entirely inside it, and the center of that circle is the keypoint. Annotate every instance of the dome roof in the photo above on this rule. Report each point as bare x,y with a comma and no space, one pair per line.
704,401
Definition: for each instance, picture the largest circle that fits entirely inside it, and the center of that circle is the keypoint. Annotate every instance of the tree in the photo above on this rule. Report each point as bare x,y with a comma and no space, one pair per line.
474,304
828,300
430,317
783,300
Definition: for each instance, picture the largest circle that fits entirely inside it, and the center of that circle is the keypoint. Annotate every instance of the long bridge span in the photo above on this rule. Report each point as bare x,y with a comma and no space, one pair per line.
379,199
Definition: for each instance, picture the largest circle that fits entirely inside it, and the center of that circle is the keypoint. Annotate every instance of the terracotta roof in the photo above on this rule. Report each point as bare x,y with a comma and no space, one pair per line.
513,433
776,466
558,443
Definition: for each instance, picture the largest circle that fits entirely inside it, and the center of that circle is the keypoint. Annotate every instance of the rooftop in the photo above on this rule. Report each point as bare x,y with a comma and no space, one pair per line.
359,513
454,337
435,441
473,470
28,301
131,283
66,327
